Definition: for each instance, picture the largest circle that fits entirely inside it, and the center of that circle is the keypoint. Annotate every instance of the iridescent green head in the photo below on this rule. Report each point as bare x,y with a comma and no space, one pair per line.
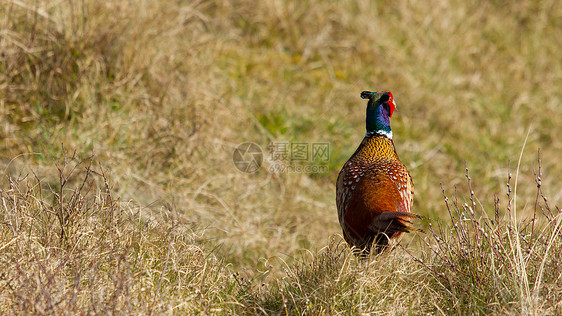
379,111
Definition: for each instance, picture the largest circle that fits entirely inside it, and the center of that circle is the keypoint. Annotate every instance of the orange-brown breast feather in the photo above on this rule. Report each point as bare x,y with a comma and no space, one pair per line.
371,183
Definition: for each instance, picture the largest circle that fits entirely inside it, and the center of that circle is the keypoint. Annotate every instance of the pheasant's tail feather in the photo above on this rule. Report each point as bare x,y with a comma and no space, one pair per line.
390,226
393,222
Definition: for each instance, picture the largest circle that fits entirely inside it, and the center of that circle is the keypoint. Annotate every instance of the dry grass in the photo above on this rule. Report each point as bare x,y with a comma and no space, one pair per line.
86,252
161,93
498,263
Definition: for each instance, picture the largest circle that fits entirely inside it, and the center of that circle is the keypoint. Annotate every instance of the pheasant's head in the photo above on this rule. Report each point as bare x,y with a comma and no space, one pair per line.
379,110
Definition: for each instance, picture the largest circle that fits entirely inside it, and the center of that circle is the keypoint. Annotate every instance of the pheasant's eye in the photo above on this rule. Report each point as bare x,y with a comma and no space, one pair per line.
385,97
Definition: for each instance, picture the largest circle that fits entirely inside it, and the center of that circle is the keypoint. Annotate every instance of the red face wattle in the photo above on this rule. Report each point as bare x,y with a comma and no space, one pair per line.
391,103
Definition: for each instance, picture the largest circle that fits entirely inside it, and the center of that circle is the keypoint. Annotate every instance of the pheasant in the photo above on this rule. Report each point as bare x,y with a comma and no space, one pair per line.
374,190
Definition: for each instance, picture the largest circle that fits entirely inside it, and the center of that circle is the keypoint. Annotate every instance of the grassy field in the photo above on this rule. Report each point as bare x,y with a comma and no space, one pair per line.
120,119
